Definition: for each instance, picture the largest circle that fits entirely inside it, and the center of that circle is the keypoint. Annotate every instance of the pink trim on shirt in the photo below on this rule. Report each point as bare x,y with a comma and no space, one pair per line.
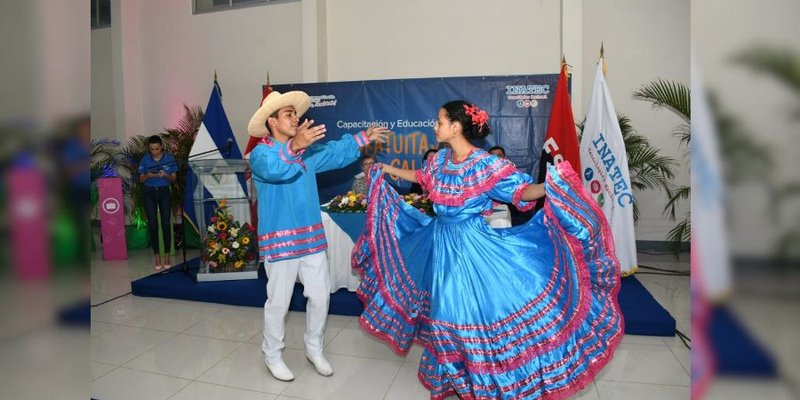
290,232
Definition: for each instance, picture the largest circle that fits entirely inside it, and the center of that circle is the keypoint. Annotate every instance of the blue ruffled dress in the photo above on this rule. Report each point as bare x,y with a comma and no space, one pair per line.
517,313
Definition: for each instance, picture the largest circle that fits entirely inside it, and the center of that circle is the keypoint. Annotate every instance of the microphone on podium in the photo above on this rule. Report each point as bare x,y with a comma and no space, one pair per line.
228,147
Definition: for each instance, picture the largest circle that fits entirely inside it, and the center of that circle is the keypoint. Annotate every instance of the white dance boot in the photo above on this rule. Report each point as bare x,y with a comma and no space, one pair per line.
280,371
322,365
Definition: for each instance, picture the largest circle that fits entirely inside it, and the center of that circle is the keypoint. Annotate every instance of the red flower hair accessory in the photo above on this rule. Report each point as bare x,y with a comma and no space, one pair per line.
479,117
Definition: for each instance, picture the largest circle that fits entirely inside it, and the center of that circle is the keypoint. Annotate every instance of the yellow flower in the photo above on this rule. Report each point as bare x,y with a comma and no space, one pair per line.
222,225
245,240
238,264
223,203
352,198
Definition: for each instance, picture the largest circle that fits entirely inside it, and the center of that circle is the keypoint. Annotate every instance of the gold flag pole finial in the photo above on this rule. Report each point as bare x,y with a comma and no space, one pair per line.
564,62
603,57
215,75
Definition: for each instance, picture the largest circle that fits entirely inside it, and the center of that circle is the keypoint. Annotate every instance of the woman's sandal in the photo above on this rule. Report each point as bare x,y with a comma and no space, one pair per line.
158,267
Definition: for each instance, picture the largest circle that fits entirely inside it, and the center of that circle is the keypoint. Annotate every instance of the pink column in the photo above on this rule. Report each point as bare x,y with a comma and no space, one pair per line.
112,219
30,240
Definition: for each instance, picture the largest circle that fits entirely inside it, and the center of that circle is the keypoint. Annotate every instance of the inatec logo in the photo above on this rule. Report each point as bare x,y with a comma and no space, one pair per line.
111,206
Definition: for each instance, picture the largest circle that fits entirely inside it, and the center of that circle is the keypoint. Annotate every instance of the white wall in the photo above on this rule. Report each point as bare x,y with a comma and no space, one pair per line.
336,40
382,39
181,51
63,65
45,63
19,101
164,57
643,40
103,110
761,104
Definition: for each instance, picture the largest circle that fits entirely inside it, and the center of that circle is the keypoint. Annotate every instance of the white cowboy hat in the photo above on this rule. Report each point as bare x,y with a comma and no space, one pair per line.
274,102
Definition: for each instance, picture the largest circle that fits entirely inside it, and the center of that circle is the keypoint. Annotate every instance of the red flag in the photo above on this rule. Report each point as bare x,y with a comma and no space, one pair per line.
561,141
253,141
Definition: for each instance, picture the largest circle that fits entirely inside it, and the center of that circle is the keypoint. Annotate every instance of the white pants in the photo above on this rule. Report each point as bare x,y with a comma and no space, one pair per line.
281,277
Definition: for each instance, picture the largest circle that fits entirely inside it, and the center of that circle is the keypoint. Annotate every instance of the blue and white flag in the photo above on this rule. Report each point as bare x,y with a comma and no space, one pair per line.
214,144
605,170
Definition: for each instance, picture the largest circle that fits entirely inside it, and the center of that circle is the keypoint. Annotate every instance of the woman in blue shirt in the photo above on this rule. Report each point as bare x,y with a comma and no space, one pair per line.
157,172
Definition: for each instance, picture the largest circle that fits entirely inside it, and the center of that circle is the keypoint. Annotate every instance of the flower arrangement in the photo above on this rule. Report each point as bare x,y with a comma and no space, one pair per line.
420,202
228,246
354,202
348,202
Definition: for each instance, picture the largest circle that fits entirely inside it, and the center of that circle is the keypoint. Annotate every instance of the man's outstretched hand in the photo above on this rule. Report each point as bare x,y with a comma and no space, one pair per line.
306,135
377,133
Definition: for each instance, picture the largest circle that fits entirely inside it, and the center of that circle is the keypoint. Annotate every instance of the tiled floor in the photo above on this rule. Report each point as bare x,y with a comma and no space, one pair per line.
146,348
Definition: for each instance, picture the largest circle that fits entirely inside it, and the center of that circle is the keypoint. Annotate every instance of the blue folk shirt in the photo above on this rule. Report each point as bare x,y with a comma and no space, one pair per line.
289,221
166,163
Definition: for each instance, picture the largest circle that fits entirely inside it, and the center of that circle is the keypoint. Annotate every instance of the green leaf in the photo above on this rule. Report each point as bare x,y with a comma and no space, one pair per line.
675,196
672,95
680,234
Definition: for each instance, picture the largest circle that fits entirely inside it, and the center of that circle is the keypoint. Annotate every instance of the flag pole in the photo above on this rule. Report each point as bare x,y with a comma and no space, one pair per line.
216,85
266,89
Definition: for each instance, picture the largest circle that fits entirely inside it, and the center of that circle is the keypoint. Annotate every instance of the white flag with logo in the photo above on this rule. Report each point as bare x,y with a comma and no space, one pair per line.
605,170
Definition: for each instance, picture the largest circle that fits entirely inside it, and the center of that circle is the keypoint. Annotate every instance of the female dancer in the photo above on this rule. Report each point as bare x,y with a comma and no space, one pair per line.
523,312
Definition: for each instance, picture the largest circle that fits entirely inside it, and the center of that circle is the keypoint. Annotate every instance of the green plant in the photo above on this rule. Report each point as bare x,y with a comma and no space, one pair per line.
104,160
647,167
673,96
178,141
102,153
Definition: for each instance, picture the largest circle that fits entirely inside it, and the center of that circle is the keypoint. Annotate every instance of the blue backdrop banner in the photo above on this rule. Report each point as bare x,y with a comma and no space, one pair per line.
518,108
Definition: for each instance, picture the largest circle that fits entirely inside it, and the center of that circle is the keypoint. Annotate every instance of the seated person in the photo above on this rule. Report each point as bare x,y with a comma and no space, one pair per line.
517,217
360,184
498,151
